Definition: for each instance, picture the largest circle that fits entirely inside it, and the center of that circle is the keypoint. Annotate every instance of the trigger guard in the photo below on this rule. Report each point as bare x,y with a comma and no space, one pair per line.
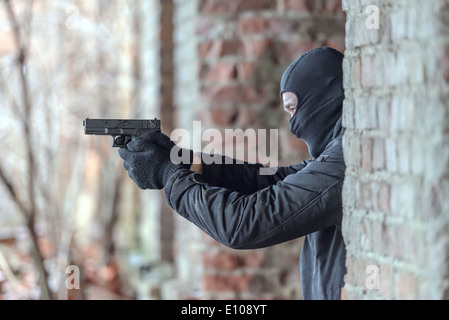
121,141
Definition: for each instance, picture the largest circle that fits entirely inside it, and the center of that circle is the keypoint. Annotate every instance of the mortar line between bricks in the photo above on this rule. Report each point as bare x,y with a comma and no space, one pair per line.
404,45
427,87
362,291
381,176
377,133
391,179
393,262
359,10
396,220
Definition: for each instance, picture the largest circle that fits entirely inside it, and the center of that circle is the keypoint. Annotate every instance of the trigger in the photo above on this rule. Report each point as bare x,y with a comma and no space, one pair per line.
119,142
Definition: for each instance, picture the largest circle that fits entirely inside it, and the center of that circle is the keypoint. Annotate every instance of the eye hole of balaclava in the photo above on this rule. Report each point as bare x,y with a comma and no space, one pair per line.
316,78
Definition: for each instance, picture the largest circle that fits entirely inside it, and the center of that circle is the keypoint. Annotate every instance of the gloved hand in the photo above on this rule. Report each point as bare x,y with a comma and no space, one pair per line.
147,160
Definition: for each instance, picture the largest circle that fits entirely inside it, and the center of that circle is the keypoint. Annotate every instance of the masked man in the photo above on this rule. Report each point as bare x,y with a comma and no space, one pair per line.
242,209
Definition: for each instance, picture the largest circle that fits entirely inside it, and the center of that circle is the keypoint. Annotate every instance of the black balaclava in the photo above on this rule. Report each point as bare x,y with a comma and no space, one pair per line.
316,78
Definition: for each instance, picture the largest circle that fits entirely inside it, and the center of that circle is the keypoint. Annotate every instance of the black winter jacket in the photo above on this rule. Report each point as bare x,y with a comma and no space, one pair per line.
244,210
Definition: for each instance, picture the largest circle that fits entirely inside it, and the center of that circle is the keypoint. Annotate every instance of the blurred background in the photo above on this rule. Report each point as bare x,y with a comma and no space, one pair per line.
72,224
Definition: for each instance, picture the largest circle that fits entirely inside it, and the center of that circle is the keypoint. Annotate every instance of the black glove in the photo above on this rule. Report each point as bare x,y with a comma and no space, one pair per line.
147,160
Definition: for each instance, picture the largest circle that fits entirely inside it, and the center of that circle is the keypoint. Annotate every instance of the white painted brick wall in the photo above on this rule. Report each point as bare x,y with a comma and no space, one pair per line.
397,150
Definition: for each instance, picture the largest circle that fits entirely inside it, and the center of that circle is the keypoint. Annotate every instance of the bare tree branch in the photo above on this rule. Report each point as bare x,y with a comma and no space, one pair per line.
9,274
30,212
12,191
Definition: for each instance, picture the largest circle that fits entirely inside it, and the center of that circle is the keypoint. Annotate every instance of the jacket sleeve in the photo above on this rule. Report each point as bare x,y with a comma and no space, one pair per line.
302,203
245,177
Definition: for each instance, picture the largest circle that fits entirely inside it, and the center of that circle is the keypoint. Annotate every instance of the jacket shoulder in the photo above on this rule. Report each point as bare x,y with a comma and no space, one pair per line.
330,161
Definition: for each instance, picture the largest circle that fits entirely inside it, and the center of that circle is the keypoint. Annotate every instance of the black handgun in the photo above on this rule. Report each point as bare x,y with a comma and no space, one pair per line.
121,131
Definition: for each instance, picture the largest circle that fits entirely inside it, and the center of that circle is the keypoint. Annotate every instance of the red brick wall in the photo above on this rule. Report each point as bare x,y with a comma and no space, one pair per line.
244,46
239,50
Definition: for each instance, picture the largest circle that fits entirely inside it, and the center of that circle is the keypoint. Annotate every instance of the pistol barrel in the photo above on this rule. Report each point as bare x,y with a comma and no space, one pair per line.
120,129
119,126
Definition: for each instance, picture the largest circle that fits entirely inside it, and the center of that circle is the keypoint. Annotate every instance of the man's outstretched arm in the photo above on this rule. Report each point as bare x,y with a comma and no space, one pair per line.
245,178
148,162
302,203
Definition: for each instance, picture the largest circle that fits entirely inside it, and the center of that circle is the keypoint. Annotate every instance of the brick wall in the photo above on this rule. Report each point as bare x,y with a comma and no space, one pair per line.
397,151
229,57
